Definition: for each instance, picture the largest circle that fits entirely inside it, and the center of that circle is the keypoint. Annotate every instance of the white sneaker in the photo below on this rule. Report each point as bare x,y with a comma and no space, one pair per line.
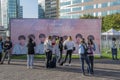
31,67
28,67
66,64
69,64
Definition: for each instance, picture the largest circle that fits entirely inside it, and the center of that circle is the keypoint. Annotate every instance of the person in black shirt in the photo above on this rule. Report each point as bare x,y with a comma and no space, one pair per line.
31,51
7,45
60,48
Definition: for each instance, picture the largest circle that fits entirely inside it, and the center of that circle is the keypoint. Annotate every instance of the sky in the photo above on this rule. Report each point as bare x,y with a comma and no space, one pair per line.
30,8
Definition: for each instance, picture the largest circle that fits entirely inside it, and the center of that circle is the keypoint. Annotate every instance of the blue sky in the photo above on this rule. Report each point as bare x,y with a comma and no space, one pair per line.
30,8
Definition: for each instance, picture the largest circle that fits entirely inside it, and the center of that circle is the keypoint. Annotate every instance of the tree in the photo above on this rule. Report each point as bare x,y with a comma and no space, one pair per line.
88,17
111,21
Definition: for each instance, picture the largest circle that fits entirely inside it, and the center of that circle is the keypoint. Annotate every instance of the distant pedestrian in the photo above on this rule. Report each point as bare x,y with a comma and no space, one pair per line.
7,45
1,48
31,52
114,49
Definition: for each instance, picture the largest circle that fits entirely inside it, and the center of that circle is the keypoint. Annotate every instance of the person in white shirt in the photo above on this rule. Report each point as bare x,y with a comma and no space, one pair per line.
48,50
70,47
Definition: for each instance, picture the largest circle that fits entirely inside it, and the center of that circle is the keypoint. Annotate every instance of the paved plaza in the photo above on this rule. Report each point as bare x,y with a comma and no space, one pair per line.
104,70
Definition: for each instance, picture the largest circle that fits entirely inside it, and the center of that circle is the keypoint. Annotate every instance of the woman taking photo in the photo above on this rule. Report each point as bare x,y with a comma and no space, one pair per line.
91,49
31,51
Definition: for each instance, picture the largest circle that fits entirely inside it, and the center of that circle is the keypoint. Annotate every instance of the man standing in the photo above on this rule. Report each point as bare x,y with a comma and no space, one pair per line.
7,45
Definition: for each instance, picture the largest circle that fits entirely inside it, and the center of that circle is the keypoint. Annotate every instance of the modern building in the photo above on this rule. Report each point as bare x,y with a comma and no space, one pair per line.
77,8
0,15
51,8
41,9
20,12
9,9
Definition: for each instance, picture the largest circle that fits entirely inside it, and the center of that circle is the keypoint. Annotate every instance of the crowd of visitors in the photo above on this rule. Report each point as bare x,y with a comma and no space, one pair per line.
55,45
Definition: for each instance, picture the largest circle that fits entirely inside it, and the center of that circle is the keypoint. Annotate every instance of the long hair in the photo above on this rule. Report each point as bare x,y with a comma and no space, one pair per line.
69,38
48,39
0,38
90,41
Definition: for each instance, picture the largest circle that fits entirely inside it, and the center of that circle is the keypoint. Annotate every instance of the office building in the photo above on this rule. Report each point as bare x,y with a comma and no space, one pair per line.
20,12
52,8
77,8
41,9
9,9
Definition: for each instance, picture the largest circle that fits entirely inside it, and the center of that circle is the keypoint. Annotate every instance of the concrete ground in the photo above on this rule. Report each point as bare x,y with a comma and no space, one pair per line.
17,70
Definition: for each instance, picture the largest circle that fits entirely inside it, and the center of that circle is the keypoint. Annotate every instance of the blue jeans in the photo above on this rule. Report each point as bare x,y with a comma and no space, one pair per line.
85,58
30,59
114,53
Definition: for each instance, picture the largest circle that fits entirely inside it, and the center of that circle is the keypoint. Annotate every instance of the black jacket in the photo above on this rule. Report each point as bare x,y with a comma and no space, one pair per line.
7,45
31,47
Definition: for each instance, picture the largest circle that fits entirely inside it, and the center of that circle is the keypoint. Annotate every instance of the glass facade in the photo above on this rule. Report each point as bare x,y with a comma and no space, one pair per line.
114,11
114,3
87,0
78,8
0,15
41,12
104,5
65,3
9,9
76,1
88,7
104,13
65,10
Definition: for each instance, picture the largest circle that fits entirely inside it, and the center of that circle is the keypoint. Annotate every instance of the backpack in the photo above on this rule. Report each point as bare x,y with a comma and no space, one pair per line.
52,64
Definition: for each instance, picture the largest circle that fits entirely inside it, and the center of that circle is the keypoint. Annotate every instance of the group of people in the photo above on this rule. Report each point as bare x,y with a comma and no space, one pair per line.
55,45
86,51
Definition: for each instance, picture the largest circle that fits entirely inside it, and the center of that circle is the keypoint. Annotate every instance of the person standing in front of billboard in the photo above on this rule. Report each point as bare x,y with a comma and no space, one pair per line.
31,51
60,48
7,45
90,51
1,48
48,50
114,49
82,52
70,47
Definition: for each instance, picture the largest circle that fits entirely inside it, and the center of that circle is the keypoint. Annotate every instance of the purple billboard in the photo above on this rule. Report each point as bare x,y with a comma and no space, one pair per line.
22,28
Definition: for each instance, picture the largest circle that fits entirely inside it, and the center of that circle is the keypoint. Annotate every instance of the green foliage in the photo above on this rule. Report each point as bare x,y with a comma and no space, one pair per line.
108,22
88,17
111,21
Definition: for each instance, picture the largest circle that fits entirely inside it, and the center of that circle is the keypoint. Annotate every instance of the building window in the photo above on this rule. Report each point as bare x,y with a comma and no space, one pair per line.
76,16
115,3
114,11
87,0
76,1
88,7
65,10
65,17
104,13
77,9
65,3
104,5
